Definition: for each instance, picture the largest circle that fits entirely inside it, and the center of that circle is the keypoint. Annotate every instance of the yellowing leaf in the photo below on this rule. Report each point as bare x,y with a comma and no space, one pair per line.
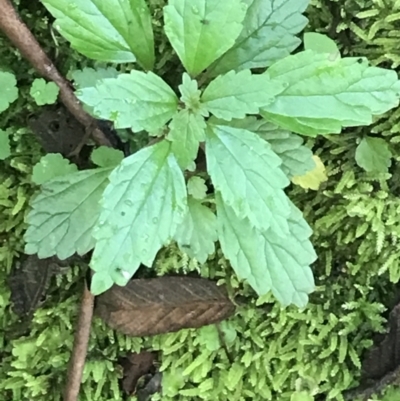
314,178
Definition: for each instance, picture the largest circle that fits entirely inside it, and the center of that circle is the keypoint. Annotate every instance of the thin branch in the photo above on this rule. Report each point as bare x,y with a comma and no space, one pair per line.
22,38
79,351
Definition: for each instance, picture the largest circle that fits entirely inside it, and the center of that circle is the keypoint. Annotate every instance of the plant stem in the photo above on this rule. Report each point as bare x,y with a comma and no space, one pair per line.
22,38
79,351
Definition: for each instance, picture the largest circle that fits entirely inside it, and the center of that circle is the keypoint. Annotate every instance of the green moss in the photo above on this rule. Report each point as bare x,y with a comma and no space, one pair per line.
271,351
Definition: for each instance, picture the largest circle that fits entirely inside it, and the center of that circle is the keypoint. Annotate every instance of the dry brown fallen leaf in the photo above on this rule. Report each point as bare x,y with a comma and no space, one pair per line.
147,307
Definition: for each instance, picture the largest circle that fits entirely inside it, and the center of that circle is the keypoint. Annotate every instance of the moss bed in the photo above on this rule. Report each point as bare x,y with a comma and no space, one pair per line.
356,234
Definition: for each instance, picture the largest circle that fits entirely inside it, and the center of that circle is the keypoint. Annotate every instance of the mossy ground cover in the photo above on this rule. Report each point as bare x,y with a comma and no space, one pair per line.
271,351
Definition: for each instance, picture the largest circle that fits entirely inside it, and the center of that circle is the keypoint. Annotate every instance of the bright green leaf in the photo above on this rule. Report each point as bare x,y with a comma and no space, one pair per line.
198,231
5,149
247,172
268,35
100,30
320,43
301,396
8,90
228,332
64,214
50,166
186,131
234,95
200,31
44,92
268,262
305,126
88,77
141,210
297,159
235,375
141,101
100,283
106,157
208,337
197,187
373,154
346,92
191,95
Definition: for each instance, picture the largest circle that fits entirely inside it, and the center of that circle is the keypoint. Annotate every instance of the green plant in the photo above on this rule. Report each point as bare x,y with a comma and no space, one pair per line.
128,211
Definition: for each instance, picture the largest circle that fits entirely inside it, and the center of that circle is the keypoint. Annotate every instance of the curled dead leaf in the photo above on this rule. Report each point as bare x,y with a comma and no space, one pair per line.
146,307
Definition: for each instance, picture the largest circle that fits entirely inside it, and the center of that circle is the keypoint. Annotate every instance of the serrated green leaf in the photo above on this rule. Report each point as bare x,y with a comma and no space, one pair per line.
198,231
186,131
64,214
197,188
346,92
104,156
102,31
5,149
88,77
100,283
234,95
373,154
142,207
8,91
247,172
44,92
265,261
191,95
200,31
268,35
297,159
50,166
141,101
320,43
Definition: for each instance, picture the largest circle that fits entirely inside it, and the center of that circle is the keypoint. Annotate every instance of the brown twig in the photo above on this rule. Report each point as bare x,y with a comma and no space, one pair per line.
22,38
81,340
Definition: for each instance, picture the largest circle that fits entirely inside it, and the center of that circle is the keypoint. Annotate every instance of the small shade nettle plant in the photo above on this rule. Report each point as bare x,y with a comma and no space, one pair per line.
243,101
